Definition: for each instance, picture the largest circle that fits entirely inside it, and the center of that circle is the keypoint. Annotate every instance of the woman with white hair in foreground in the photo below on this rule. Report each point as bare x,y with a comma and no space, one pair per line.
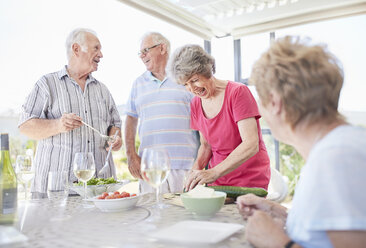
299,87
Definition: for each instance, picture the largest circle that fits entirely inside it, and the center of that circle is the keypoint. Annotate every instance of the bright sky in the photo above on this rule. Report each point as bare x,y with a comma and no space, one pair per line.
33,33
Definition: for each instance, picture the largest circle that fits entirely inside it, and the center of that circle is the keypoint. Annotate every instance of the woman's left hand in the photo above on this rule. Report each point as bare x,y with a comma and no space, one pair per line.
264,231
196,177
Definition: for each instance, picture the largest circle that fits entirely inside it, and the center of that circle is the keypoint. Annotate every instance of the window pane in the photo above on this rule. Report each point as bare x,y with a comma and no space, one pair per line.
251,48
223,51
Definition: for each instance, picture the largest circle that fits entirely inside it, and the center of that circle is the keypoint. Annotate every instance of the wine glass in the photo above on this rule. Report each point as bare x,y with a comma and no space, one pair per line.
155,168
25,171
84,169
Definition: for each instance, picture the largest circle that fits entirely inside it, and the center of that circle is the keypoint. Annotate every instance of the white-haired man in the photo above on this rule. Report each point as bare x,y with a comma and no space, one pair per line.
59,102
163,109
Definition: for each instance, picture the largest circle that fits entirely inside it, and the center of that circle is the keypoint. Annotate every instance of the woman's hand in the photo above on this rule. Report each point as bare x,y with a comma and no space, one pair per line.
196,177
262,230
249,203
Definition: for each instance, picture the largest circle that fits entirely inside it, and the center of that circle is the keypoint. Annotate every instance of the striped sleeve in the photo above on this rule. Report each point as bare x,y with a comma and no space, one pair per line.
36,104
113,111
130,108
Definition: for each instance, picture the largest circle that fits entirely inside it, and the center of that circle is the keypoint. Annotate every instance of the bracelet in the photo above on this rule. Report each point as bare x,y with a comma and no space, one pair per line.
289,244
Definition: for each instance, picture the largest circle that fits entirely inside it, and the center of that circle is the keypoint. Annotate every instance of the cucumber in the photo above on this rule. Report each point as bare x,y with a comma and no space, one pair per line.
234,191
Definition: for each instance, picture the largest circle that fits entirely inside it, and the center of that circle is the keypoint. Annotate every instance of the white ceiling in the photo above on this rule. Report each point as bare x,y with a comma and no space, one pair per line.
217,18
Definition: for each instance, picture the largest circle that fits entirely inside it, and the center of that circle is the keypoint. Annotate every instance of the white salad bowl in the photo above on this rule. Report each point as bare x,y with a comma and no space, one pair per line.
94,190
115,205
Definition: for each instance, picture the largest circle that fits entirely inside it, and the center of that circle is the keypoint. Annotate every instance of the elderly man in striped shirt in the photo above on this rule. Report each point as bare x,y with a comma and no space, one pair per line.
53,111
163,109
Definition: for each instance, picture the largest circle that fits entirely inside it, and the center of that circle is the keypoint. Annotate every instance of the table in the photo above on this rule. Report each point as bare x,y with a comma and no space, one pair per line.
47,224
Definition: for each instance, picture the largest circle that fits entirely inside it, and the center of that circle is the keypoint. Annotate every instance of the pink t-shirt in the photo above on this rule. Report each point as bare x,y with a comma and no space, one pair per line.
222,133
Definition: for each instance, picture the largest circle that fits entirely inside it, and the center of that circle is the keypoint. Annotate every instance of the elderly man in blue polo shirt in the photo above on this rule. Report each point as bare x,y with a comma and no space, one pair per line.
163,109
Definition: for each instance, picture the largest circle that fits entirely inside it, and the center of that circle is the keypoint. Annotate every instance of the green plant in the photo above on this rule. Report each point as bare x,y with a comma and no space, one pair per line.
31,144
15,148
291,163
121,163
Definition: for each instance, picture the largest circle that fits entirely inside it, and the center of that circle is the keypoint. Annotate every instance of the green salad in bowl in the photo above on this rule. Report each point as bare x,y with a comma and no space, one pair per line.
98,181
97,186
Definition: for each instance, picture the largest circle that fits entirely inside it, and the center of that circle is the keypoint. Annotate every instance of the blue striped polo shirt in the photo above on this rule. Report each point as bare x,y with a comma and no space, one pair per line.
163,110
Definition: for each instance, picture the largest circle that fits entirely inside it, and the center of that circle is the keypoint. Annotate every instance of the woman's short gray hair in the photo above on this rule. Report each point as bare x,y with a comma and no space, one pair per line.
157,38
307,77
77,36
189,60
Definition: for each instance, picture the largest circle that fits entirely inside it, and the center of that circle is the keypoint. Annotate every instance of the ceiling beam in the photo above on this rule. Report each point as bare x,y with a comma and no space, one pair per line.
180,17
314,16
174,15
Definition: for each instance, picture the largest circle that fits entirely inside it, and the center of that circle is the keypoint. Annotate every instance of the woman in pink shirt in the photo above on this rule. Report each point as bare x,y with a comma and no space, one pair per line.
227,118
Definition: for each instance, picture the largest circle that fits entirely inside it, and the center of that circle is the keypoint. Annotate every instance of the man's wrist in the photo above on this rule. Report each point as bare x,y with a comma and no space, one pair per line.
130,152
59,126
132,156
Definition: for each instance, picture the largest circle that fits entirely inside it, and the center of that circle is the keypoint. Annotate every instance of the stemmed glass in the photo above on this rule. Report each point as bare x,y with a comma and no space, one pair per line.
84,169
25,171
155,168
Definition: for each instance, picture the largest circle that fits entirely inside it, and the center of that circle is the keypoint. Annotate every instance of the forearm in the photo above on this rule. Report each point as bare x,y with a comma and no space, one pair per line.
130,136
237,157
40,128
203,156
347,238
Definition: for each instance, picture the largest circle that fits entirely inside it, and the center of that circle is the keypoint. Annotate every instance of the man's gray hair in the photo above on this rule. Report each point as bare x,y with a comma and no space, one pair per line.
157,38
77,36
189,60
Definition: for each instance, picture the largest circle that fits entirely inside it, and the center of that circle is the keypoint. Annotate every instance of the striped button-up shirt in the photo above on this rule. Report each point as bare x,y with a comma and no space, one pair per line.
163,110
57,93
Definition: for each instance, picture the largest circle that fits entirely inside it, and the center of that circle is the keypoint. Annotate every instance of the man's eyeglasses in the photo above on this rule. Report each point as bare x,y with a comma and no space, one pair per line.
146,50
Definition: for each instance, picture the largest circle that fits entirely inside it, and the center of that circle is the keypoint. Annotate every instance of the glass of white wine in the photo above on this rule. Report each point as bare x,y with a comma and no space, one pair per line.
84,169
25,171
155,168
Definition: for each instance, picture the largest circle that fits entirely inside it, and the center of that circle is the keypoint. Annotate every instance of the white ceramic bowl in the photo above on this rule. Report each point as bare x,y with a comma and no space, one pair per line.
115,205
94,190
